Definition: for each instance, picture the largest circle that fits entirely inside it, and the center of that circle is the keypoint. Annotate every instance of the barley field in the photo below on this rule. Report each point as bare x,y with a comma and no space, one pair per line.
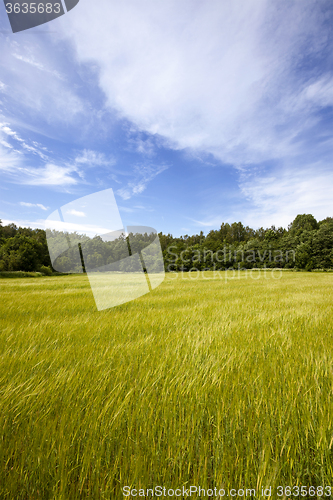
222,381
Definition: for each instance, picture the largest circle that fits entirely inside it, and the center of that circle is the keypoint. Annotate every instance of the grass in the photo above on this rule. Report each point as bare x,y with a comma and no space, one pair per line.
214,382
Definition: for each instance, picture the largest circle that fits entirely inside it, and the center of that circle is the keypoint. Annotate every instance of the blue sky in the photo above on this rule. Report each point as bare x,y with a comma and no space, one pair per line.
194,113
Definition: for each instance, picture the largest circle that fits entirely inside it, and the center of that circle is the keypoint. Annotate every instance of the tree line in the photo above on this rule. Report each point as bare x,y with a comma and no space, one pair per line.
306,244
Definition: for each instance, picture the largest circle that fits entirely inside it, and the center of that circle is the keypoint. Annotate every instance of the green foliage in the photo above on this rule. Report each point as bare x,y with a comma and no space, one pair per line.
305,222
22,249
304,257
21,253
323,246
20,274
307,245
46,270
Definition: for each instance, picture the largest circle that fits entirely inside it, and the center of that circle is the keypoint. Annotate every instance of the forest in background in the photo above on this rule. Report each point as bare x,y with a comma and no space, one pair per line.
307,244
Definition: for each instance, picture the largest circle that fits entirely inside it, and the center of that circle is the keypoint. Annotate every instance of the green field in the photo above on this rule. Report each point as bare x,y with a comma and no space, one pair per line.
213,382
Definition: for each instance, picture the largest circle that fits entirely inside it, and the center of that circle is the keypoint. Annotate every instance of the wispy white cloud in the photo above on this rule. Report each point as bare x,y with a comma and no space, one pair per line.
45,93
8,131
274,195
50,175
10,159
5,129
125,193
37,64
93,159
76,213
16,162
135,209
279,195
209,223
143,174
6,144
143,144
37,205
28,60
126,209
318,93
14,165
144,147
141,207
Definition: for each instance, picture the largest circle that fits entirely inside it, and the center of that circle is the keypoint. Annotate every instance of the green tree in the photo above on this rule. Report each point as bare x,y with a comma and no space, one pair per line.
303,258
323,246
21,253
304,222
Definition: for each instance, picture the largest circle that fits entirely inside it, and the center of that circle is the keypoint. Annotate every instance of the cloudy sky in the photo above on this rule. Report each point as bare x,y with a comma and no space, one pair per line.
194,112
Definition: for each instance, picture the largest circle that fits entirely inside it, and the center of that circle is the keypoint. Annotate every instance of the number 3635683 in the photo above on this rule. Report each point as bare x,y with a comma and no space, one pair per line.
33,8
